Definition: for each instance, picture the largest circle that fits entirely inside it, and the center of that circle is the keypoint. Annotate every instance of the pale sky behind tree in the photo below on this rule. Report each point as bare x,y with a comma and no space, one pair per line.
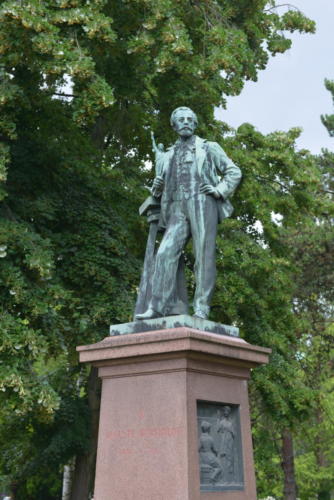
290,92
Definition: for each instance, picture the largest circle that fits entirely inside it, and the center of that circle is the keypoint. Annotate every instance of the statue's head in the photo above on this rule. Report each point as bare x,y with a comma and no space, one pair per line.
226,411
184,121
205,426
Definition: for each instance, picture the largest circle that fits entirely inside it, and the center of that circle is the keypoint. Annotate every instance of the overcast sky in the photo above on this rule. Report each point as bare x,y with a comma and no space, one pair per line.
290,91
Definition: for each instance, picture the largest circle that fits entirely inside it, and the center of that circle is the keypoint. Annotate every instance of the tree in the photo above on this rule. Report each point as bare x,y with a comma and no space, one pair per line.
258,285
315,303
311,249
81,84
85,276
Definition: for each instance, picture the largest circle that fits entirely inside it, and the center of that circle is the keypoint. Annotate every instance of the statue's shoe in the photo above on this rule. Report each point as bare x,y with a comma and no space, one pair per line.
149,314
200,314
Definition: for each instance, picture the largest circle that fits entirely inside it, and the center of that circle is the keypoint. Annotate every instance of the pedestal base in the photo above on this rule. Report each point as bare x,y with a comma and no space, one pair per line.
164,416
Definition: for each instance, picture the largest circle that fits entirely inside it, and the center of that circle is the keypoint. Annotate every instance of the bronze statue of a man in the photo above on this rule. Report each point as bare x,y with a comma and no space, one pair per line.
195,181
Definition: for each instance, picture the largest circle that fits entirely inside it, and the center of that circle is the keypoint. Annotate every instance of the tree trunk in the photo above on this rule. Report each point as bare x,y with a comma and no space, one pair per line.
83,479
324,492
13,490
67,480
288,466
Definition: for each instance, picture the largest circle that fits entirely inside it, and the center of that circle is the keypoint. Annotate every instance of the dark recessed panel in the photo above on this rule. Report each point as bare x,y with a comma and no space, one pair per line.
219,447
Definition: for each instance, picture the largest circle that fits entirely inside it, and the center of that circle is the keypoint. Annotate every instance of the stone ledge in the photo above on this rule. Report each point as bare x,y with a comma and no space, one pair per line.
172,342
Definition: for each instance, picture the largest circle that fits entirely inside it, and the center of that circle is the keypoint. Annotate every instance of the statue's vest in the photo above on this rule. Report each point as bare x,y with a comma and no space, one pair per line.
185,180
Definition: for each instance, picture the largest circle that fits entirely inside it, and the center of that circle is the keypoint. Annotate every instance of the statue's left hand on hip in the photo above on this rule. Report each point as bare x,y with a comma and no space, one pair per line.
208,189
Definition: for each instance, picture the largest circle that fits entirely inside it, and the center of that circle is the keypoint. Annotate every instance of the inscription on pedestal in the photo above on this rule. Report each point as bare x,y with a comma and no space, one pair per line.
220,448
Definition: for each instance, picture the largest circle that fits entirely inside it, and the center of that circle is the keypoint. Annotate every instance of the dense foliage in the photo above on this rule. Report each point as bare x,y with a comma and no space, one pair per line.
314,303
81,84
312,352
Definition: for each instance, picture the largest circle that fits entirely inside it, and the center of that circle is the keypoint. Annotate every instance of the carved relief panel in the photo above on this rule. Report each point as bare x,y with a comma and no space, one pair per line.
219,447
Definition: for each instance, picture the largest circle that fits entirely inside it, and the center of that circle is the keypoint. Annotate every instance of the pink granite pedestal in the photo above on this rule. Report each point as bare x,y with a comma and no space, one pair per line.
148,435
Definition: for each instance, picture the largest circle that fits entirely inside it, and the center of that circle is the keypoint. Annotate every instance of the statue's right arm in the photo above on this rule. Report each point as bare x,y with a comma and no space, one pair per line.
160,171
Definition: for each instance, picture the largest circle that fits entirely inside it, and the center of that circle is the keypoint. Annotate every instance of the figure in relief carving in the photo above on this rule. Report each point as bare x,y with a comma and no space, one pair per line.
194,181
226,448
208,452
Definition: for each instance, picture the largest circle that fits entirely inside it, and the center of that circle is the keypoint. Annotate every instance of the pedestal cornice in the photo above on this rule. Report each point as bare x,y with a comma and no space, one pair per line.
171,343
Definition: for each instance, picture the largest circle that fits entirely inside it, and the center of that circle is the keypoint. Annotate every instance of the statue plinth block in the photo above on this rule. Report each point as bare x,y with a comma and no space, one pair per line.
174,421
176,321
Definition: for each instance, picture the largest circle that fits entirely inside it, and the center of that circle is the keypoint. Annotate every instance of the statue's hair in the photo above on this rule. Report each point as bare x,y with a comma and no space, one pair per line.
205,426
182,108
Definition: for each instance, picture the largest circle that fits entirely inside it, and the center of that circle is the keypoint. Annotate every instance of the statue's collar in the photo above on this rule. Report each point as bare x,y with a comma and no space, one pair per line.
193,141
188,143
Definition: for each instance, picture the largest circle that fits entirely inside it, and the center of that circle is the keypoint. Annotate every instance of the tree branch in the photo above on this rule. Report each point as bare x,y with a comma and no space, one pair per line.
282,5
269,181
63,95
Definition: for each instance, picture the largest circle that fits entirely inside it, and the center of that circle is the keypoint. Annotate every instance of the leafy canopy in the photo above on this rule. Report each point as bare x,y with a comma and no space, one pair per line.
72,165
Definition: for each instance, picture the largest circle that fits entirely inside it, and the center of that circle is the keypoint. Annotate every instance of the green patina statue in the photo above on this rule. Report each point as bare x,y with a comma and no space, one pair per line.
191,190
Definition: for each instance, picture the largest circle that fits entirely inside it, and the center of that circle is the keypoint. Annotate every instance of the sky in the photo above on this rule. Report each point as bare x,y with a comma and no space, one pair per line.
290,92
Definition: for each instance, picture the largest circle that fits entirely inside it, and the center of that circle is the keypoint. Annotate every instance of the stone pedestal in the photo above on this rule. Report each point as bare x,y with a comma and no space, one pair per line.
163,393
